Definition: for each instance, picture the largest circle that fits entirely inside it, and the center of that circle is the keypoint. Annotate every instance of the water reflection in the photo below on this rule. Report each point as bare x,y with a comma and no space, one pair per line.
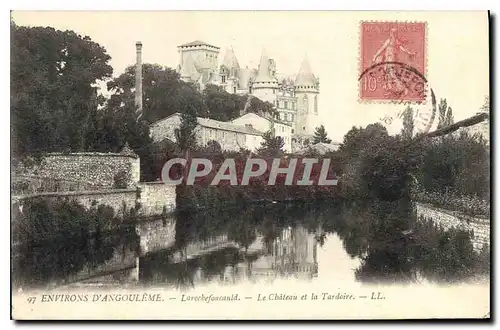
377,242
292,253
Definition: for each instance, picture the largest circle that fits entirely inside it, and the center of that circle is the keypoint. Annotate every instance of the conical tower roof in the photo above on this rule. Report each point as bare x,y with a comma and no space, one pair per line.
263,74
188,69
305,76
244,77
230,60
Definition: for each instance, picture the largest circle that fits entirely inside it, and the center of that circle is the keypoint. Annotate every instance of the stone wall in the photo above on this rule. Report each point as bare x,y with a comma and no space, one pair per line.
156,198
165,128
156,235
115,198
449,219
91,168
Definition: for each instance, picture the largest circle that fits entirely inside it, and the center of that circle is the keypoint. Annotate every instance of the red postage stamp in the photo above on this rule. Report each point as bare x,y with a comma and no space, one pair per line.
393,61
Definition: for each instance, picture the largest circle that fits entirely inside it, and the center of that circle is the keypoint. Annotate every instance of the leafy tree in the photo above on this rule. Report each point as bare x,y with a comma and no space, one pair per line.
214,146
486,105
259,106
186,135
408,123
224,106
163,92
459,164
271,145
53,98
445,114
357,138
220,104
320,135
449,117
442,107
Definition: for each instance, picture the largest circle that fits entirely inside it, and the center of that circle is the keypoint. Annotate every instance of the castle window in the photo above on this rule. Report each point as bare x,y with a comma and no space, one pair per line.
316,104
286,116
274,91
305,104
292,115
223,79
293,106
286,105
234,90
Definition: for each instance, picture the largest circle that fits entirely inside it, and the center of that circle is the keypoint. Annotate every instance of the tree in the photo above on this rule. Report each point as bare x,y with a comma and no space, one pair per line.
357,138
224,106
220,104
271,145
163,92
442,107
53,98
408,123
320,135
486,105
449,117
186,135
214,146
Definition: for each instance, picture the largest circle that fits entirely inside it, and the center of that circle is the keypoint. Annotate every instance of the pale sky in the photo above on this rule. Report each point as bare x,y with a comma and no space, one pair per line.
457,49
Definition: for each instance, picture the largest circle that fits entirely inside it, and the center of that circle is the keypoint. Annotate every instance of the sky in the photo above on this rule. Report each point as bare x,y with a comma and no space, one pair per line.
457,50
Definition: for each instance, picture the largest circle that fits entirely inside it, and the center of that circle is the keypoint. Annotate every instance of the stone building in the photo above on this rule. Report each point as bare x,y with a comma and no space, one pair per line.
296,97
265,123
231,137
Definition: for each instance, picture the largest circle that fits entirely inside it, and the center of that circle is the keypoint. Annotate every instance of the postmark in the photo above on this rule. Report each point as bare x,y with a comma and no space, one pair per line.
392,62
423,113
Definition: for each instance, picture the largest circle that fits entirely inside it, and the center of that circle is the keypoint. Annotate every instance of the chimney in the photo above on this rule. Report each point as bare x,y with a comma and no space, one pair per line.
138,78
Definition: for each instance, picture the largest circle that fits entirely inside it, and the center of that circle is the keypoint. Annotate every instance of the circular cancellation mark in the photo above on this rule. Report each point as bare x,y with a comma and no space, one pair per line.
398,82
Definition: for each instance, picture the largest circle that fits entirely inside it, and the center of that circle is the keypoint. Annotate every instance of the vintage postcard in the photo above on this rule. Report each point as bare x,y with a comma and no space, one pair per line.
186,165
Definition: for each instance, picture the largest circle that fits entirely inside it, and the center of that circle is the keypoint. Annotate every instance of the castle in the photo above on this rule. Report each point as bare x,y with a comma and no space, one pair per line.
295,97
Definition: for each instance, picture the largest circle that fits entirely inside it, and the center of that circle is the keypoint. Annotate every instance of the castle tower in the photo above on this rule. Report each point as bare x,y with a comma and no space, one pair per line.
230,69
265,85
198,59
188,70
307,94
244,79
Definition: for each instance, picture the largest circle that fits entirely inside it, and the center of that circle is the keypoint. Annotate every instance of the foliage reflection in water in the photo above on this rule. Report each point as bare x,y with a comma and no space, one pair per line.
264,242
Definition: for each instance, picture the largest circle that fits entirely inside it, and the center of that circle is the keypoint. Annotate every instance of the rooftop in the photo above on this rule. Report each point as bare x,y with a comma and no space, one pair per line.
221,125
198,43
321,148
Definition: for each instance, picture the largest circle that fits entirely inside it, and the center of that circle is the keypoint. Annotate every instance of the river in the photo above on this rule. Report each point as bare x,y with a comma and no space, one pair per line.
309,242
